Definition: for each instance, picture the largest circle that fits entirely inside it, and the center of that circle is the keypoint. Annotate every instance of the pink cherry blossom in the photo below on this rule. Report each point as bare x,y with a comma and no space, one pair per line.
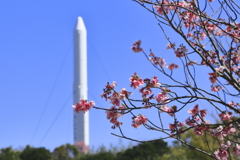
136,46
135,125
172,126
146,92
219,32
161,98
198,130
228,130
83,105
220,69
203,112
190,35
113,113
124,93
213,77
115,100
190,122
231,103
236,150
202,35
139,120
181,124
154,82
221,154
117,124
162,10
194,111
171,112
157,60
179,53
163,108
225,116
136,81
216,88
170,45
172,66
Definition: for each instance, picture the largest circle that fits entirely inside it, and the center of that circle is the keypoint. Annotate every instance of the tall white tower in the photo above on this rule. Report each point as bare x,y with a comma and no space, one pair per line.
81,120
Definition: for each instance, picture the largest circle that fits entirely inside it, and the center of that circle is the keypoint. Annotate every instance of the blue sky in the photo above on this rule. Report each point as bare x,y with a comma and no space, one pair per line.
36,67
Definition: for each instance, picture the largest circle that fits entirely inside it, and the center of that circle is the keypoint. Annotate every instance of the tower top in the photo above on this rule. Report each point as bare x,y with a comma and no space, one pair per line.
80,24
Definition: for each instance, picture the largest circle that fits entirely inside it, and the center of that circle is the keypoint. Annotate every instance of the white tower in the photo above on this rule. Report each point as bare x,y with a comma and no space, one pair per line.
81,120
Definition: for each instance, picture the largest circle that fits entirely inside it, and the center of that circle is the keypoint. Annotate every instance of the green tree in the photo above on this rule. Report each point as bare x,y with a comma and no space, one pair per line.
9,154
65,152
204,143
176,153
108,155
30,153
145,151
101,154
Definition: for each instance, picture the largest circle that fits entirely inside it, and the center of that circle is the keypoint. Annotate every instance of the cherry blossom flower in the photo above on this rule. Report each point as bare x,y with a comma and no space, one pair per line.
216,88
112,113
236,150
190,122
162,10
154,82
83,105
221,154
115,100
171,111
231,103
161,98
228,130
181,124
219,32
145,91
172,126
194,111
172,66
136,46
136,81
124,93
225,116
202,35
157,60
198,130
203,112
220,69
213,77
179,53
139,120
170,45
163,108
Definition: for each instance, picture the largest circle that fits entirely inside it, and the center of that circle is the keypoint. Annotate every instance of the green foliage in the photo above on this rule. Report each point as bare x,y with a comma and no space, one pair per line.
65,152
9,154
99,156
177,153
145,151
30,153
205,142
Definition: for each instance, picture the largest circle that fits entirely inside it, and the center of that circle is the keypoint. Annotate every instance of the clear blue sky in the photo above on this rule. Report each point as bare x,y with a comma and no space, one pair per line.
36,66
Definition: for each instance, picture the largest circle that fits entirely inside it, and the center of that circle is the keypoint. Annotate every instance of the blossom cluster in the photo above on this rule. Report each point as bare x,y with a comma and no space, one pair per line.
139,120
83,105
136,46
